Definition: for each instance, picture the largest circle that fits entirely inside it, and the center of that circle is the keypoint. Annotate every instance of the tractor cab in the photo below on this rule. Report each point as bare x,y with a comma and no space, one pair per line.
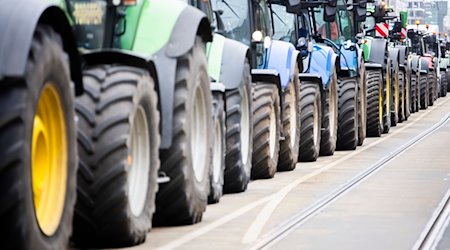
99,24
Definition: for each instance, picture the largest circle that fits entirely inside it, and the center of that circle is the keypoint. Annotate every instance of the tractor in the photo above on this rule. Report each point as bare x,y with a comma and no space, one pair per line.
421,67
381,63
40,75
397,40
229,66
274,71
319,101
351,76
174,54
443,68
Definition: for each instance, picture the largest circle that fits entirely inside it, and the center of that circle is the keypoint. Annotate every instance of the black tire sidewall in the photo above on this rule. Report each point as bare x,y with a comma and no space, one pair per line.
52,68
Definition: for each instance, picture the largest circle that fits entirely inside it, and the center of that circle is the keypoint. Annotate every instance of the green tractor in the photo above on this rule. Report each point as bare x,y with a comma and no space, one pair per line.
229,67
147,97
39,75
114,146
381,68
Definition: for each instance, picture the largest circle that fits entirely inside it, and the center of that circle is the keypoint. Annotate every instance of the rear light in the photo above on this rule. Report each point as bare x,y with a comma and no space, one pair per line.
129,2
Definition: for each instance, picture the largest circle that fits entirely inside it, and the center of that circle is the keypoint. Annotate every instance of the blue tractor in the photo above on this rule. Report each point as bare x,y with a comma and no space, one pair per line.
340,35
319,94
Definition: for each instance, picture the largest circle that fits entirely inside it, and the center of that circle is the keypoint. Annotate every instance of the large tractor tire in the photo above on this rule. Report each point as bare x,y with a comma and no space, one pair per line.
118,144
401,96
415,104
239,135
374,103
431,80
362,104
395,104
329,118
218,150
407,93
424,94
387,100
38,150
347,134
266,125
447,75
183,199
444,84
310,121
290,125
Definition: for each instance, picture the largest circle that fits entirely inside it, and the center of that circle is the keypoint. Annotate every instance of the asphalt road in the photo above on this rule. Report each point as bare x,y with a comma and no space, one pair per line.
383,195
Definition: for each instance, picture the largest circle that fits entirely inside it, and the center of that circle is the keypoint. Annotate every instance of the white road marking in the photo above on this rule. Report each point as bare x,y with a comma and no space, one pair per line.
257,226
435,228
278,196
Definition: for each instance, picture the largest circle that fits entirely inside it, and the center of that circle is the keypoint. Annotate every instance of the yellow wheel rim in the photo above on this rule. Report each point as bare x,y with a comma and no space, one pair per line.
380,103
49,160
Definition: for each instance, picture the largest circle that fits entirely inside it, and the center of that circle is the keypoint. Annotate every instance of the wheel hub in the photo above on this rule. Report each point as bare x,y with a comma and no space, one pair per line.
138,162
293,114
245,126
272,132
198,140
49,152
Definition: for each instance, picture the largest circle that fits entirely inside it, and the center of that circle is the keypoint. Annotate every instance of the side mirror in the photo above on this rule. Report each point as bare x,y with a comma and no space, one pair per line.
329,14
293,6
360,10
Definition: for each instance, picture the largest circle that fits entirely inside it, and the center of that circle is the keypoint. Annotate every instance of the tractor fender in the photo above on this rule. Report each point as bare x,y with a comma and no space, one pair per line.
282,58
267,76
415,63
172,39
310,77
171,26
321,56
348,60
377,51
401,56
18,21
234,55
190,24
394,58
424,65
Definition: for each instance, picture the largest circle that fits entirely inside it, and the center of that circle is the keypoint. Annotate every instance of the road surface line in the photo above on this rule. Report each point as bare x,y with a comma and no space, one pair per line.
434,230
301,217
278,195
264,215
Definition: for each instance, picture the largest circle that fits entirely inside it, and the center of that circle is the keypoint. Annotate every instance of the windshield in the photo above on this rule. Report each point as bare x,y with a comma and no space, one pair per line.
370,23
326,29
284,24
235,18
345,24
